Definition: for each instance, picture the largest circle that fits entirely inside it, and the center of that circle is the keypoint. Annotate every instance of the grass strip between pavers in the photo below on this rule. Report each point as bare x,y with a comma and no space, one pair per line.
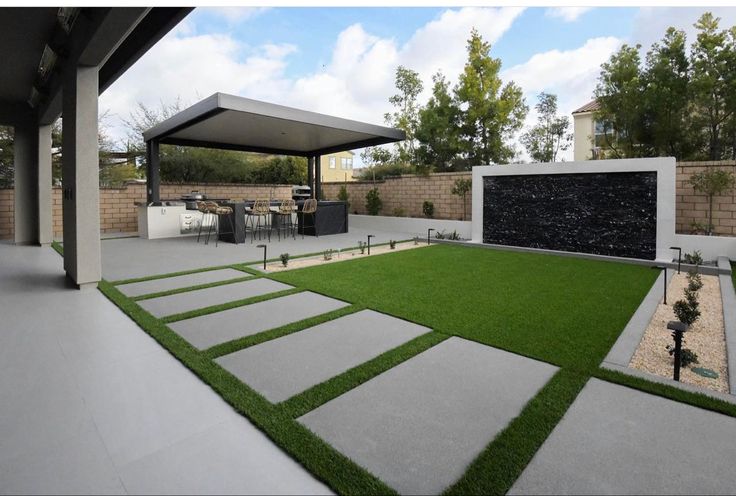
170,292
498,466
298,405
57,247
321,459
676,394
190,314
248,341
242,267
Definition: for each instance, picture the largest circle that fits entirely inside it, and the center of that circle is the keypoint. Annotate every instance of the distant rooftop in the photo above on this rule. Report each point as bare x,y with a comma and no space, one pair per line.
591,106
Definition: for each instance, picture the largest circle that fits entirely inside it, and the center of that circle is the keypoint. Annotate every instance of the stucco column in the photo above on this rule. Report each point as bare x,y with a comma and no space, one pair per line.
80,177
26,184
45,202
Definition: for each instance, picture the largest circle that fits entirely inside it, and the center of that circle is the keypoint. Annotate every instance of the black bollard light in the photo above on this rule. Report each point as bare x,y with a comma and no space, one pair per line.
679,256
663,267
677,328
369,242
428,234
264,254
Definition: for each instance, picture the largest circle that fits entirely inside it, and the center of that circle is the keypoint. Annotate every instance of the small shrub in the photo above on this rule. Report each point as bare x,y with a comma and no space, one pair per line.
428,209
373,202
284,259
454,236
694,258
695,282
687,356
392,244
399,212
686,312
343,194
361,246
416,240
461,188
327,254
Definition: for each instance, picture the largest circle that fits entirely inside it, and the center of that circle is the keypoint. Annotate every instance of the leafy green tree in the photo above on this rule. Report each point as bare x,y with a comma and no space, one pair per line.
713,84
461,188
438,130
712,182
551,133
492,112
665,81
619,92
406,113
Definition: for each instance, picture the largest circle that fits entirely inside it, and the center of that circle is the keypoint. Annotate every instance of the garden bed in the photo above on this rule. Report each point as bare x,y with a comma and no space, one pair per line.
337,256
706,337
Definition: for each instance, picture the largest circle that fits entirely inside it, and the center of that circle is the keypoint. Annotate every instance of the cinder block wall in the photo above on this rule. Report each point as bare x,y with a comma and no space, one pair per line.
693,207
408,193
401,196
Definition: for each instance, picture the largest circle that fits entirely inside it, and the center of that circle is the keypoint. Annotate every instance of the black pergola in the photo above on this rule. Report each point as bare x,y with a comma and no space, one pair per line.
235,123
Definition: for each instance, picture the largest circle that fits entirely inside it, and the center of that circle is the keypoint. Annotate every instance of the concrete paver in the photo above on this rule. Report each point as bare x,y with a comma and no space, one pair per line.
420,424
208,330
617,440
283,367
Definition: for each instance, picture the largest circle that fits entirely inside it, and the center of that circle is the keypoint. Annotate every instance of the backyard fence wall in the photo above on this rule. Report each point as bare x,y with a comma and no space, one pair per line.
407,193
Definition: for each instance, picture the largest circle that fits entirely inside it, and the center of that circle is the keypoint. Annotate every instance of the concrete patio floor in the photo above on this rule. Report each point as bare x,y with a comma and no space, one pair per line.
91,404
127,258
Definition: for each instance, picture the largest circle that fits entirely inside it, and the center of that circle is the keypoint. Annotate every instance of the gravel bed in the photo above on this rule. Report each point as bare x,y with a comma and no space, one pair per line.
706,337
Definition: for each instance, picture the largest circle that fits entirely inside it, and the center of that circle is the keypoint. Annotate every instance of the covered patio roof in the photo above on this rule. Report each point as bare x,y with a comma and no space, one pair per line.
235,123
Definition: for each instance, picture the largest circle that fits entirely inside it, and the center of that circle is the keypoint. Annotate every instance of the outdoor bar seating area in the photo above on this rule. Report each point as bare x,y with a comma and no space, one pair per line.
235,123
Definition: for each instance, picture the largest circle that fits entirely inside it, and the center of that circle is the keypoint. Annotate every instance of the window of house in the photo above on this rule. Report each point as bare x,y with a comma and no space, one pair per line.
344,163
600,130
332,162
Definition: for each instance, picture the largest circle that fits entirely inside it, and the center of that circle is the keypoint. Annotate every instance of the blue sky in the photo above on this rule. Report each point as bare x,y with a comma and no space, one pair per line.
342,61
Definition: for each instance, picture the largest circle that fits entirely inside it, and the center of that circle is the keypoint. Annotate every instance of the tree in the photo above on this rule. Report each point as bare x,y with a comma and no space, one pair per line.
551,133
438,132
6,157
665,96
619,93
406,115
712,182
492,112
461,188
713,83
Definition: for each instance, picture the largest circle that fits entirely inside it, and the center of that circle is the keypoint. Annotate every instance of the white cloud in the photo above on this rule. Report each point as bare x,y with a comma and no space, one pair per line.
567,14
651,23
356,83
569,74
234,15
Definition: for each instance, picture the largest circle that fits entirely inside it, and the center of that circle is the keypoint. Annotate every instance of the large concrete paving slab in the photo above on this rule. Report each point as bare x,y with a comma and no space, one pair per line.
420,424
177,282
201,298
616,440
286,366
215,328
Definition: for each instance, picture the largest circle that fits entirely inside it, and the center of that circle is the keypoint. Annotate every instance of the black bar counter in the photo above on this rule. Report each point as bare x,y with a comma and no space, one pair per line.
331,217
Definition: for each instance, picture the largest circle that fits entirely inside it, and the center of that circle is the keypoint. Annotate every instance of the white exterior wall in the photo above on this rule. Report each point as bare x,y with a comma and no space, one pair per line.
582,136
664,167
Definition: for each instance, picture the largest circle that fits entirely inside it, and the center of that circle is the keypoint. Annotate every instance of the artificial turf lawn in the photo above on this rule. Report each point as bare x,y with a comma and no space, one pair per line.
562,310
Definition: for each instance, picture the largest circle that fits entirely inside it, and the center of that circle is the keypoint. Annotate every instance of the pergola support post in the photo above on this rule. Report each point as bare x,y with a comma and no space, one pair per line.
317,177
45,203
310,176
153,172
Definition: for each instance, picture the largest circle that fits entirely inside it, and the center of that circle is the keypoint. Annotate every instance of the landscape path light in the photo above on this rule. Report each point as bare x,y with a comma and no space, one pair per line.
663,267
264,254
428,234
369,242
677,328
679,256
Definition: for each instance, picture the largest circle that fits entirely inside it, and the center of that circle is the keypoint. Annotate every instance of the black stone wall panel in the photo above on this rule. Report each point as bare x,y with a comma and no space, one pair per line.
612,213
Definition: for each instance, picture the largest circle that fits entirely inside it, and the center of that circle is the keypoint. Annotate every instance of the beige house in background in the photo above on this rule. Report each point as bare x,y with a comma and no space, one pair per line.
585,132
337,167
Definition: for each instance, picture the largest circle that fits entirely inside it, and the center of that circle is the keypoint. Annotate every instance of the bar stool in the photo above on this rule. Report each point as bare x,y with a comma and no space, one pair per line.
309,208
206,214
260,217
284,218
217,211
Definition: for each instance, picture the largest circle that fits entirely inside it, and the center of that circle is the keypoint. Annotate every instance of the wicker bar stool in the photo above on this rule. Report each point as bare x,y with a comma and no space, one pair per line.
217,211
206,214
284,221
309,208
260,219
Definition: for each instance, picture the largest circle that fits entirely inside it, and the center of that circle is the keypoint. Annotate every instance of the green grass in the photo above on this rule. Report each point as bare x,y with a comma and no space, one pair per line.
170,292
566,311
242,267
58,248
